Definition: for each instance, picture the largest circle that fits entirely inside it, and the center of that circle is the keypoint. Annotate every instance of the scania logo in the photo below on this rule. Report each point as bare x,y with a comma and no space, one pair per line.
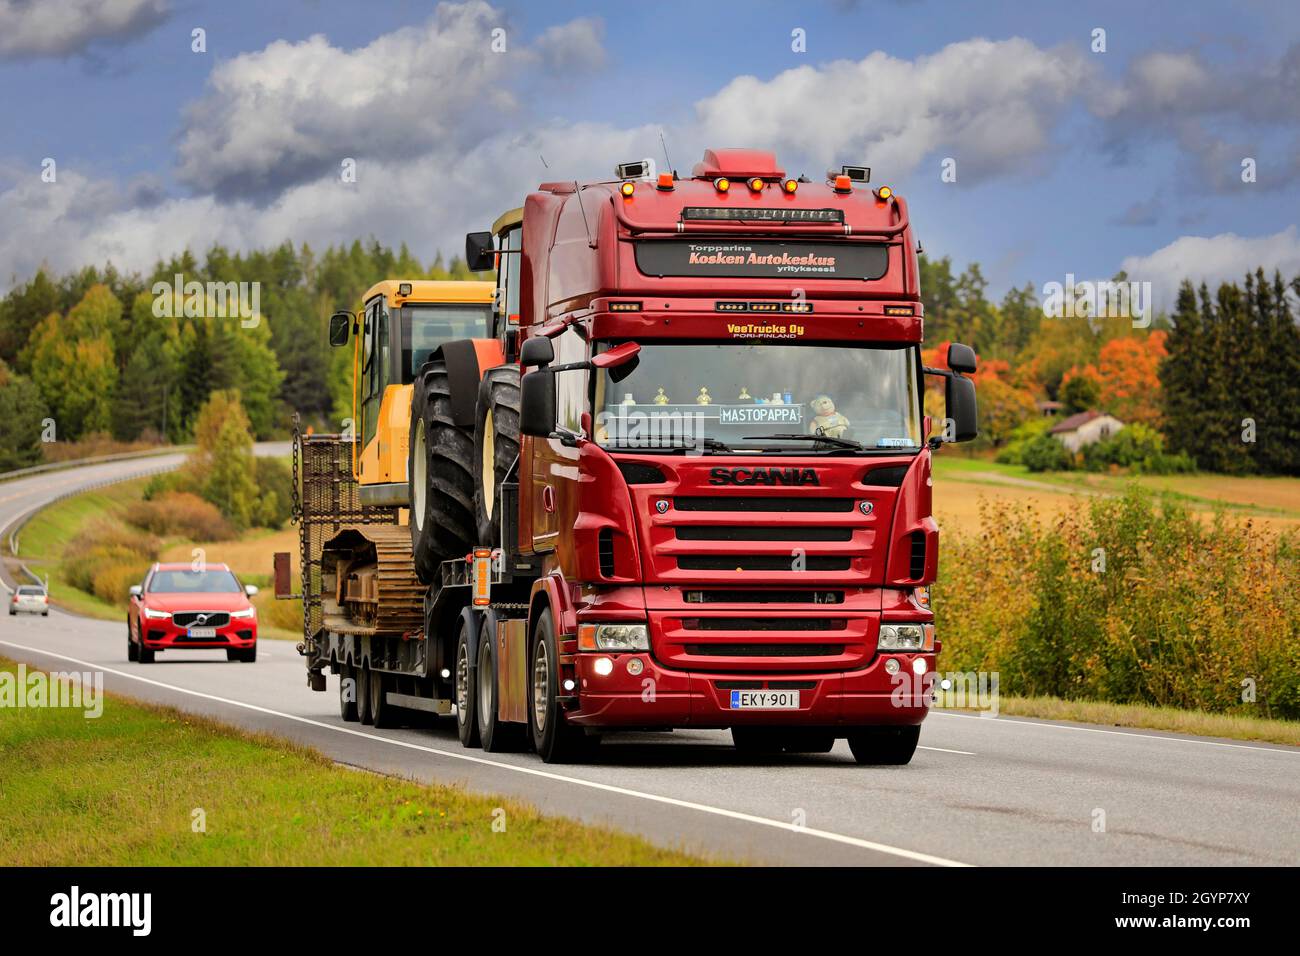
763,476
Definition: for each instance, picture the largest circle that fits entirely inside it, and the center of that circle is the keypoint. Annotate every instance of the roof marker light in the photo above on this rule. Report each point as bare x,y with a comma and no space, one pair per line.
722,184
790,185
843,184
883,193
756,184
626,188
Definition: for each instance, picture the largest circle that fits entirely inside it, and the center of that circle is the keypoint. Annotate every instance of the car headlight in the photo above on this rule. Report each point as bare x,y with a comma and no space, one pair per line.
246,612
906,637
613,637
156,615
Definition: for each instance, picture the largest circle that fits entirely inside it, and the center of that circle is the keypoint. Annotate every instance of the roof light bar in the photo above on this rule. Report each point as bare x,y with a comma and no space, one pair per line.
779,214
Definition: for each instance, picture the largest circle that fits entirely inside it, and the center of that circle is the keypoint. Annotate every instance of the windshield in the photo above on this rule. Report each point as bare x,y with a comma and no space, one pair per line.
425,327
756,396
193,582
27,590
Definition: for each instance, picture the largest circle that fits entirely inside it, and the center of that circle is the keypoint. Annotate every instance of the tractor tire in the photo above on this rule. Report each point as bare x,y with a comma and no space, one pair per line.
496,447
440,475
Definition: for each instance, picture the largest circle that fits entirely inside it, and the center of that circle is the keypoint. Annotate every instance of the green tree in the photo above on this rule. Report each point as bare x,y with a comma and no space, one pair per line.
22,411
222,464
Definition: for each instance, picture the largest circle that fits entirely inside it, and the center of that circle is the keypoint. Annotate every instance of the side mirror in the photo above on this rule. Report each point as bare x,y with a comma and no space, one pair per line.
250,589
537,403
961,358
136,590
621,360
537,351
959,400
340,326
479,254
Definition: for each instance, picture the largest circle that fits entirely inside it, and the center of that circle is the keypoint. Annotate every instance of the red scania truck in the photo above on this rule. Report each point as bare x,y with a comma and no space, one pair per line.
684,484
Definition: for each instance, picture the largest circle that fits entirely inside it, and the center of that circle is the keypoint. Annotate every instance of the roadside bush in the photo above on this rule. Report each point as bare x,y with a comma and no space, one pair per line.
180,513
1138,447
1045,453
275,482
1130,601
1012,453
105,559
169,482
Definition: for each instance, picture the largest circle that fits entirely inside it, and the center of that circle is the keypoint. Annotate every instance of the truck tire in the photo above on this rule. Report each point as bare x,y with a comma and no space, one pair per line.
348,693
496,447
884,745
496,735
382,713
554,738
466,690
440,475
363,695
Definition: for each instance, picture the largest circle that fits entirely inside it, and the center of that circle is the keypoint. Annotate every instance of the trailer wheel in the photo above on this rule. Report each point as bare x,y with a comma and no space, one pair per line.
381,711
497,735
496,446
364,713
554,738
347,693
466,691
884,745
439,474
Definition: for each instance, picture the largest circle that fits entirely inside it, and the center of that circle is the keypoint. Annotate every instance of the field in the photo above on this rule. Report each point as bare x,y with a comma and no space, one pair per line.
151,786
961,483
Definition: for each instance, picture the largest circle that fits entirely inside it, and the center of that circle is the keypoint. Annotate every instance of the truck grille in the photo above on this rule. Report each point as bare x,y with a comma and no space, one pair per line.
758,533
763,623
760,562
764,596
764,650
806,505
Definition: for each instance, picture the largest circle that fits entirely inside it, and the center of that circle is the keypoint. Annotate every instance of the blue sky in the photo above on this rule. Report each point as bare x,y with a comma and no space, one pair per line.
1068,160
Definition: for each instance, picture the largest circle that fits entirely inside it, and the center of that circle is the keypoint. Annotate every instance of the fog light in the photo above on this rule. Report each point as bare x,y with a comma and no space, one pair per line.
603,666
918,666
568,685
891,665
445,673
635,666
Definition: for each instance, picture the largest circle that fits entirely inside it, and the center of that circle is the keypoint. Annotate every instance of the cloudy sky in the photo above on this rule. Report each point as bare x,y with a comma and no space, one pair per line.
1067,159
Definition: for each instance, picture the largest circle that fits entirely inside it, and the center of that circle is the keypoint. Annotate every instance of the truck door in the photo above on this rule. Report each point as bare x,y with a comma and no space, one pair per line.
374,376
554,465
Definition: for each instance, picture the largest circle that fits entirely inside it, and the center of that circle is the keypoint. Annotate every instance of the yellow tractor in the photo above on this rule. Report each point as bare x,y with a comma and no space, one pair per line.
367,580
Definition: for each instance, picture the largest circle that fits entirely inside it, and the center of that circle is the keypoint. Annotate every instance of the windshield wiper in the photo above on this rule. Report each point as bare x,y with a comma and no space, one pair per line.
712,444
837,442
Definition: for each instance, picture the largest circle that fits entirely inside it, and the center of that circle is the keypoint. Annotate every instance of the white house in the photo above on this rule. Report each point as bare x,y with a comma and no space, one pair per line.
1085,428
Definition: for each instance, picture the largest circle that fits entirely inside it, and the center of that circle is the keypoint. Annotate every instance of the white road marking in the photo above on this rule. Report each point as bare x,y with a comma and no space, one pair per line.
944,750
1118,733
531,771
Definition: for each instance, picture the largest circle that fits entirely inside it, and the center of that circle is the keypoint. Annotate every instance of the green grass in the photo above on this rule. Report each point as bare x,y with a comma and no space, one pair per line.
121,790
1146,717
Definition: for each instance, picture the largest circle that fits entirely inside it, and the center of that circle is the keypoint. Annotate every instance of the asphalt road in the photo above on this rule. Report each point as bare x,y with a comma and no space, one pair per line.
980,791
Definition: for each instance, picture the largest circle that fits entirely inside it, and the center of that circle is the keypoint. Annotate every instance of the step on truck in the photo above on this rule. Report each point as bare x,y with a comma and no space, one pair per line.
682,482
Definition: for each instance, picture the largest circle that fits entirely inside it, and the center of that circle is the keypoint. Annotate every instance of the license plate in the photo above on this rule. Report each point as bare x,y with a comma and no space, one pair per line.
203,632
764,700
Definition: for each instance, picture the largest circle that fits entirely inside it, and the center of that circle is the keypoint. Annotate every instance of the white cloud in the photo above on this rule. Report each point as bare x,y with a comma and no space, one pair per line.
292,112
33,28
991,105
1226,257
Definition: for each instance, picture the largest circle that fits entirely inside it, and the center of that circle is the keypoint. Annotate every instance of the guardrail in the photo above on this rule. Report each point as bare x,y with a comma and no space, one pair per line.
97,460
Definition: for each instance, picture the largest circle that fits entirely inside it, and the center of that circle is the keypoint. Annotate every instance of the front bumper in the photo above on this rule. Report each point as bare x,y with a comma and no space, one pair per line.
163,634
660,697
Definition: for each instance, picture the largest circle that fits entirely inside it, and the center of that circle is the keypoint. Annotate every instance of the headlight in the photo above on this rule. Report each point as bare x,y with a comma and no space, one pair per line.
613,637
246,612
156,615
906,637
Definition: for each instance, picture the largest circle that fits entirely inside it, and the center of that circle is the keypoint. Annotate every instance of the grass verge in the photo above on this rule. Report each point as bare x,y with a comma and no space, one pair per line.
123,790
1144,717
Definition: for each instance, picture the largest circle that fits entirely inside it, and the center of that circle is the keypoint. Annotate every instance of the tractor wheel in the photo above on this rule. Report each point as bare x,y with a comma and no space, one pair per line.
496,447
440,475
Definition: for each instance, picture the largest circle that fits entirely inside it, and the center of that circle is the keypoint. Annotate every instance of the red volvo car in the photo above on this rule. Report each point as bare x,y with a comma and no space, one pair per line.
178,607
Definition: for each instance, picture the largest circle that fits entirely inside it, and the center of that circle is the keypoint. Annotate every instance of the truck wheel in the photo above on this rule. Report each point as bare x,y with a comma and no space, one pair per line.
364,713
496,447
466,691
554,738
440,475
884,745
496,735
347,693
381,711
132,651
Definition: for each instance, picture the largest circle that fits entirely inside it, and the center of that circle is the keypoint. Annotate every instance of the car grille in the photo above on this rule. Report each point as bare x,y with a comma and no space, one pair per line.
190,618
